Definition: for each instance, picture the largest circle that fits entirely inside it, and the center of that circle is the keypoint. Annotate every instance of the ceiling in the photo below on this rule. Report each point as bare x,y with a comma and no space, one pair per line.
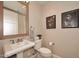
42,2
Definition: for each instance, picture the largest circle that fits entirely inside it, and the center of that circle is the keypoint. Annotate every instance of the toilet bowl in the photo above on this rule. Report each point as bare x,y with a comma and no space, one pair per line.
45,52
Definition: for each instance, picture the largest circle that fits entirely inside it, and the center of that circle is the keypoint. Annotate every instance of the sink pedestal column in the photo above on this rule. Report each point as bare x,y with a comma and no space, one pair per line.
20,55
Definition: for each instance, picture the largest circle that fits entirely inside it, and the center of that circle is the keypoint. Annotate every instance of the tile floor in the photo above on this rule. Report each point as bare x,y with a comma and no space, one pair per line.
39,56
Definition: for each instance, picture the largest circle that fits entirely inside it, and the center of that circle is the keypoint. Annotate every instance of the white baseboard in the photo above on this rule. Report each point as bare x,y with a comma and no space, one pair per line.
56,56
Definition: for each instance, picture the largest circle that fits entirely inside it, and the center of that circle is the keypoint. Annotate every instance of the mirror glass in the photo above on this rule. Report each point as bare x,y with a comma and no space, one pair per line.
14,15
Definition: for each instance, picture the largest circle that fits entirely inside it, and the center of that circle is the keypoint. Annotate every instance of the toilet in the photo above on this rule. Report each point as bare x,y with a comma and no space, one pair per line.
45,52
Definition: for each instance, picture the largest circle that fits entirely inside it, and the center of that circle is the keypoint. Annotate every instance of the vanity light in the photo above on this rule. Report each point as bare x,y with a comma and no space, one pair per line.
26,3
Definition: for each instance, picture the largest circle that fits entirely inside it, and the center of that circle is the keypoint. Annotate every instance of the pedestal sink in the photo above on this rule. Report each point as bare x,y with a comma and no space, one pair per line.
17,47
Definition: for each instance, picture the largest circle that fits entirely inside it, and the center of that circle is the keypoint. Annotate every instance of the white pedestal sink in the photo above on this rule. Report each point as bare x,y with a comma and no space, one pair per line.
17,48
20,55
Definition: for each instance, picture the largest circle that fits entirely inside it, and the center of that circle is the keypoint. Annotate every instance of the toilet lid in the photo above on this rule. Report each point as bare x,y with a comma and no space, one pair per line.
44,50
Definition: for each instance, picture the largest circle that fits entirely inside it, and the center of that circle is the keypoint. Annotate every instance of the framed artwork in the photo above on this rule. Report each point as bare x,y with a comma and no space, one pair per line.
51,22
70,19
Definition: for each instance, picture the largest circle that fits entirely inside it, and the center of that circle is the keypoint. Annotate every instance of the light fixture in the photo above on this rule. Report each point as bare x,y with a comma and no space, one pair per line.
26,1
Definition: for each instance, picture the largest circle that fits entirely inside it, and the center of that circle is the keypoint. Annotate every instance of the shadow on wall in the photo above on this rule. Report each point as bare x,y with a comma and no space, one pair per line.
1,51
1,48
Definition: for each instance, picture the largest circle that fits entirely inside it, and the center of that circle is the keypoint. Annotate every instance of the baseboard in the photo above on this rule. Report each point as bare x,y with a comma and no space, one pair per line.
56,56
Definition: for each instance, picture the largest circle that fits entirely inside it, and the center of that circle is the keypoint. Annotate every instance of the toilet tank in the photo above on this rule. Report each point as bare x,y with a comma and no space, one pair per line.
38,44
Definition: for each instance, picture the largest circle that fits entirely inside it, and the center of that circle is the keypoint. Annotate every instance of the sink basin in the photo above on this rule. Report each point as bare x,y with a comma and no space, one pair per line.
25,42
18,47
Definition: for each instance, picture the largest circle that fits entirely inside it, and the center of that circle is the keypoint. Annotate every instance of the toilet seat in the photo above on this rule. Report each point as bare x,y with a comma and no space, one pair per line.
45,52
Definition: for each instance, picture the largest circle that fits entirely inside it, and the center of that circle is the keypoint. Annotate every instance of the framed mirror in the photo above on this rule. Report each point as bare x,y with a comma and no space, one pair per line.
15,19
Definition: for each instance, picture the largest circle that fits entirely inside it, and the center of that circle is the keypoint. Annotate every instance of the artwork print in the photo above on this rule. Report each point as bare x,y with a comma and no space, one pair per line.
70,19
51,22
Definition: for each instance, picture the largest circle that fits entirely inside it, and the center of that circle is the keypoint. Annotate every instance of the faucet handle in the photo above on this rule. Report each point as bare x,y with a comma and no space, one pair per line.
19,40
12,41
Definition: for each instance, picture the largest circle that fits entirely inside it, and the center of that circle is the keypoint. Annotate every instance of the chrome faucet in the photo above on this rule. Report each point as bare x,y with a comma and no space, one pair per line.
19,40
12,41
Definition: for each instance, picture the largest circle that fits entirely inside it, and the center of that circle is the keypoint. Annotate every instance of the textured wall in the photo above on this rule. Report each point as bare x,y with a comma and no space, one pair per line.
66,40
35,17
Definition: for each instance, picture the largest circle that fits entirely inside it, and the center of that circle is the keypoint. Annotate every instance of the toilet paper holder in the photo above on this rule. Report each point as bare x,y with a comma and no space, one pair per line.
51,43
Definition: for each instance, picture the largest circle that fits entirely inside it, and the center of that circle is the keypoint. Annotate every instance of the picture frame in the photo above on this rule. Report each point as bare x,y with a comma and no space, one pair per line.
51,22
70,19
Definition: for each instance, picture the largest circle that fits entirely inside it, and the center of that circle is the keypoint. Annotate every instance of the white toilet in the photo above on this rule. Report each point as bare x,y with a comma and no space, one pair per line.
45,52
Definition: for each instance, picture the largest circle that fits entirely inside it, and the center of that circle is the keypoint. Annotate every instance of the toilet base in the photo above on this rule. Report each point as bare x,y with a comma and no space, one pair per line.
44,56
38,55
45,52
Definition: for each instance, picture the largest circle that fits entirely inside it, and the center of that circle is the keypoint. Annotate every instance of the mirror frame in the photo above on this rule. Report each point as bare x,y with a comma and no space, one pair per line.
1,20
27,24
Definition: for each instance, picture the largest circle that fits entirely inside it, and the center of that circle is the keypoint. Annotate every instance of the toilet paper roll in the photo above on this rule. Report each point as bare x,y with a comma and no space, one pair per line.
50,43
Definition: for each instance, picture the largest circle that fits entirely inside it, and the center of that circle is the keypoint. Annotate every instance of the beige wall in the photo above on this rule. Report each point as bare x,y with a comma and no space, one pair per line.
66,40
35,17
